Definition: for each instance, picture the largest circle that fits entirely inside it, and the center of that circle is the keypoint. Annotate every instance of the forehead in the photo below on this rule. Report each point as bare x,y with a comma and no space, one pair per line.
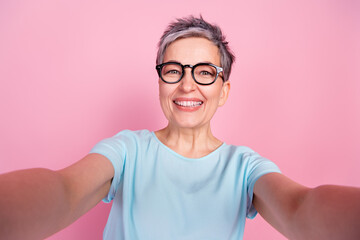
192,50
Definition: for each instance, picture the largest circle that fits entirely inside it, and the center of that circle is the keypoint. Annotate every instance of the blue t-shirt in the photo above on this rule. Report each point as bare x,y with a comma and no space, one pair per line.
159,194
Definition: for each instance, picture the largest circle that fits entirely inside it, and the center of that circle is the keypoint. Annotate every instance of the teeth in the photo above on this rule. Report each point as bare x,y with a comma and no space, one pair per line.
188,103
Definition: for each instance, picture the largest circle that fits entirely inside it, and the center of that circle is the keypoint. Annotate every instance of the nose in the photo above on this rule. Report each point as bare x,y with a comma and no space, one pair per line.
187,83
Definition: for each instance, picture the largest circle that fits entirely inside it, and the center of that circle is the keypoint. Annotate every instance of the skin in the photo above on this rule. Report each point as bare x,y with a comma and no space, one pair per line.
36,203
189,125
324,212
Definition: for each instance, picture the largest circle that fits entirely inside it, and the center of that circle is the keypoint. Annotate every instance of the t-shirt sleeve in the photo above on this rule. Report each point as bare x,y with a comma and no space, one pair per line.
257,167
114,150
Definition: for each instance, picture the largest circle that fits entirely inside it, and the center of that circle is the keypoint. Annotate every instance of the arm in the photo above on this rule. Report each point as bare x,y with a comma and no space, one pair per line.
324,212
36,203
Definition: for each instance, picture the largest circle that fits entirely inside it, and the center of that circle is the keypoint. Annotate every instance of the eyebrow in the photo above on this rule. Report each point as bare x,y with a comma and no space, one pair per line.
190,64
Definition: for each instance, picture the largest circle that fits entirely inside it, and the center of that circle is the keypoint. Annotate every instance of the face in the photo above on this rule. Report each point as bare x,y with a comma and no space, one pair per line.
187,104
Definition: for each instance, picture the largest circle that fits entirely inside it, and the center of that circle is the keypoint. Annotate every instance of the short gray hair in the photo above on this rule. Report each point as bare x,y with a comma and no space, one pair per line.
197,27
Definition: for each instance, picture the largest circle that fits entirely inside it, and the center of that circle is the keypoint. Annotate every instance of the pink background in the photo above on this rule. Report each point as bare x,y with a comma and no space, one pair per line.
75,72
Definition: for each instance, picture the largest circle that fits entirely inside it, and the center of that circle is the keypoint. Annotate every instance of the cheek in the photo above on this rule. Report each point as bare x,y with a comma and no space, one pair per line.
214,95
165,94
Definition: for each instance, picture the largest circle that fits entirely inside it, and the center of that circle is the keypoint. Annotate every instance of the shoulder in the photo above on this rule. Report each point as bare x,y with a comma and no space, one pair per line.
128,136
248,160
133,133
238,152
122,141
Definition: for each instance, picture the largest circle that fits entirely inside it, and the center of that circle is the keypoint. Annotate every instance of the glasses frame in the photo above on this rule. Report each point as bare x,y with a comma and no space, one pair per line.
159,68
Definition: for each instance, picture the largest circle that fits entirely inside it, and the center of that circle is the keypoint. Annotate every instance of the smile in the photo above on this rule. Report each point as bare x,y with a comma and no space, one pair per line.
188,103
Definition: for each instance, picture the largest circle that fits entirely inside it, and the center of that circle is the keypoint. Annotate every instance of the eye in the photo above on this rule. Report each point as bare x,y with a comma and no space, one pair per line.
173,71
206,73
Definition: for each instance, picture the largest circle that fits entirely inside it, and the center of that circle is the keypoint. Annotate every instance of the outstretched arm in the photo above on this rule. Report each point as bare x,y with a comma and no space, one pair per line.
325,212
36,203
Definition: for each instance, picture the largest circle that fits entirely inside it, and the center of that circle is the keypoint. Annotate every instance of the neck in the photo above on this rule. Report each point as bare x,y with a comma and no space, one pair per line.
189,142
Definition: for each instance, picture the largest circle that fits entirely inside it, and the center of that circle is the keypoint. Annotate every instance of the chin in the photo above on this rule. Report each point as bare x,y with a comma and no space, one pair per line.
187,124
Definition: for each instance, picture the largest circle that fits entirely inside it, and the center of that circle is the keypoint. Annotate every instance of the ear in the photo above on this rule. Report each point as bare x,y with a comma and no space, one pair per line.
224,93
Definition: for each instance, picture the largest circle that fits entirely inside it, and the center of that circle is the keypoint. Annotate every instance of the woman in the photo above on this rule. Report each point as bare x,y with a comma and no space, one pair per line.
180,182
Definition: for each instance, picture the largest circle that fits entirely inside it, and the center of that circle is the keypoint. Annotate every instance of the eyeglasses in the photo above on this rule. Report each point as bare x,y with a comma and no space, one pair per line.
202,73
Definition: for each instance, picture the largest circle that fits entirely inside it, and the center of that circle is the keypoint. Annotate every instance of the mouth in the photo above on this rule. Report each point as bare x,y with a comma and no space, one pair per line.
188,103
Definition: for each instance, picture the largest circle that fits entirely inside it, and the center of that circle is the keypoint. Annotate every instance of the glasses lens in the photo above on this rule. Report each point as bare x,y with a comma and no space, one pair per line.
171,72
205,74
